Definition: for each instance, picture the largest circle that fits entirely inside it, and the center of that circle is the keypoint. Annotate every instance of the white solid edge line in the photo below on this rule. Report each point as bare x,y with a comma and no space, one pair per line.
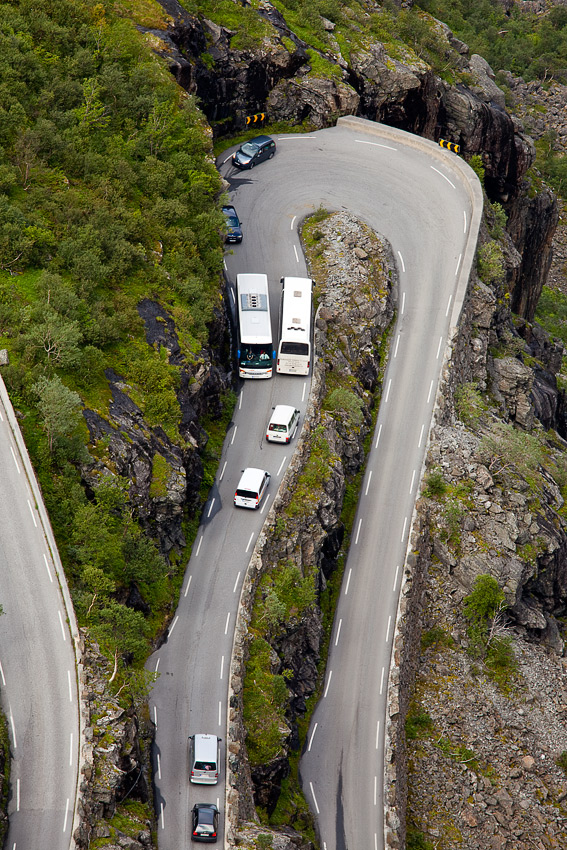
444,176
375,144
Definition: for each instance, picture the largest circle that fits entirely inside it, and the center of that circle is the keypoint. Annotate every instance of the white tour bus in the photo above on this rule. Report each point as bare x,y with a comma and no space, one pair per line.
294,352
255,348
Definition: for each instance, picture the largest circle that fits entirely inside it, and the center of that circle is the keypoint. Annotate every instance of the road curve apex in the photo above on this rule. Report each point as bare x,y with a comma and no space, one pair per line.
462,172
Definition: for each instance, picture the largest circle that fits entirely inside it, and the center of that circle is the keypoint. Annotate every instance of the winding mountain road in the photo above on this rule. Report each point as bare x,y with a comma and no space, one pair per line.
427,203
38,673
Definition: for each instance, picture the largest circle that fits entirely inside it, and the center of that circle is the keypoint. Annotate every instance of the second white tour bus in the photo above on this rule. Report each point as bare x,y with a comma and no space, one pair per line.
255,348
294,351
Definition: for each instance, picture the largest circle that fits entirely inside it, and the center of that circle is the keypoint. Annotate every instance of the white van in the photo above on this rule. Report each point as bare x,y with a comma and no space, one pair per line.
283,424
204,759
251,488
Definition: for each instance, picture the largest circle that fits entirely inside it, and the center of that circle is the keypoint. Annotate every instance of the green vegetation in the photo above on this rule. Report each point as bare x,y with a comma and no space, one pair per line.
314,474
483,608
530,45
490,263
436,637
561,761
470,404
435,485
283,596
107,197
265,702
551,164
416,841
552,313
511,450
418,722
347,404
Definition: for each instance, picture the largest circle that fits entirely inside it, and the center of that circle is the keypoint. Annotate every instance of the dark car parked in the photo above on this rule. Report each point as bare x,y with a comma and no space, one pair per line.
205,822
233,226
254,151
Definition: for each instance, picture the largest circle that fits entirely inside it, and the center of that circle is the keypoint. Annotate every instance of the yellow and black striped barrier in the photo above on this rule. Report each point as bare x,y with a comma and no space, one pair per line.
255,119
451,146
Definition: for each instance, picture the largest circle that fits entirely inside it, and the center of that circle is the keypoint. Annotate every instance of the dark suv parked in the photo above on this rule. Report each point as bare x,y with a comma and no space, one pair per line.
233,226
254,151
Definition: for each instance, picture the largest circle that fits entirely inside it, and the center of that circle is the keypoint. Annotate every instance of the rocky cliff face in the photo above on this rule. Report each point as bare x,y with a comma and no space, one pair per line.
127,446
115,761
277,77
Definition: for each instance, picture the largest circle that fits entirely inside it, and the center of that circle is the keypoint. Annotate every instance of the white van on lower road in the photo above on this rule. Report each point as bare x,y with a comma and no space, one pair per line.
251,488
204,759
283,424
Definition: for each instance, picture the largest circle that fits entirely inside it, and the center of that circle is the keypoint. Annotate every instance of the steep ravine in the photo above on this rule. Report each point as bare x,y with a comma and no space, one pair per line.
276,76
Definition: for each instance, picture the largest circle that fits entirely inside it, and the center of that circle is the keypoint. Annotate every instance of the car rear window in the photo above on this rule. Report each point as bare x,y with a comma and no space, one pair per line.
247,494
278,427
205,765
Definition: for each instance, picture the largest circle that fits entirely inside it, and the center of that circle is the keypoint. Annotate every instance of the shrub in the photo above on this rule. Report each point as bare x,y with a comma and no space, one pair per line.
417,723
469,404
435,485
475,163
490,263
344,401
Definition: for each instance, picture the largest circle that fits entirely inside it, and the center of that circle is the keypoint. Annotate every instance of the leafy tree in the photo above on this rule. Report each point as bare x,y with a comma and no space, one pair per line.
121,631
59,406
490,262
53,339
483,601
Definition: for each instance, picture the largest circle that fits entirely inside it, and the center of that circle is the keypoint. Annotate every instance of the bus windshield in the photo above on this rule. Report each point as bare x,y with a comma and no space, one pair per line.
255,356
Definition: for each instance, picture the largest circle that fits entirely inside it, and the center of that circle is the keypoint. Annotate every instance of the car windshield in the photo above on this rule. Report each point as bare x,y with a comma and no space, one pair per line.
249,149
232,221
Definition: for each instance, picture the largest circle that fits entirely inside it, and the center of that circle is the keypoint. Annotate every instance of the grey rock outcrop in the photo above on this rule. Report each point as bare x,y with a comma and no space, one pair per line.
123,443
115,759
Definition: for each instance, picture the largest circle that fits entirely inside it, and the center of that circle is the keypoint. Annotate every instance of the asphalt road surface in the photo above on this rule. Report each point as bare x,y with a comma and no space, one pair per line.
415,195
37,662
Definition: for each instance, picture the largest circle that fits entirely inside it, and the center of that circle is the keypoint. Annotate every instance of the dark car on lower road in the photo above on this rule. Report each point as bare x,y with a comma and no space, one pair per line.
205,822
254,151
233,226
